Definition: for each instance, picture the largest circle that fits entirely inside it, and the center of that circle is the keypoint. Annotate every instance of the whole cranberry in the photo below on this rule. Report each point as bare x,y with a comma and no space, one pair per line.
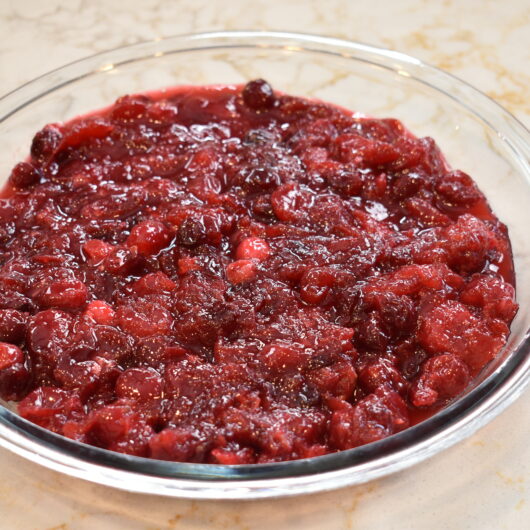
45,142
149,237
258,95
253,248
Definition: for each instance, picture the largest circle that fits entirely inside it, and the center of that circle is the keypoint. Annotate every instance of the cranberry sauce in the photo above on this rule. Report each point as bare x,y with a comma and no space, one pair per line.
231,275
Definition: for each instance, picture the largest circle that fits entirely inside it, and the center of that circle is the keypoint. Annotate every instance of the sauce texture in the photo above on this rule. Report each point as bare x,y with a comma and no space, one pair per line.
232,275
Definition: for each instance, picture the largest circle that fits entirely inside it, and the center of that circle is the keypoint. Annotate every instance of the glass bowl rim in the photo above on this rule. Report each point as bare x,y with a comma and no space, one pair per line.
361,464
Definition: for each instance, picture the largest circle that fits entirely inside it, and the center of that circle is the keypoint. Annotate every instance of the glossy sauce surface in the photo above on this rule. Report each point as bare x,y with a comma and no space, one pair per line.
229,275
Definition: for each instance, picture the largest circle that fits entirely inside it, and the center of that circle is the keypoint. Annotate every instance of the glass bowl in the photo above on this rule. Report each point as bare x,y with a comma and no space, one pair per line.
476,135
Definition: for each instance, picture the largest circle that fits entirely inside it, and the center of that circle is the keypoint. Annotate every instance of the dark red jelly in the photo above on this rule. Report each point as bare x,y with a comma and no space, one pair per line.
232,275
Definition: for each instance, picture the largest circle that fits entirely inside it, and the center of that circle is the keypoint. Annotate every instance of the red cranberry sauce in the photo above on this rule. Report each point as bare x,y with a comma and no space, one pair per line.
230,275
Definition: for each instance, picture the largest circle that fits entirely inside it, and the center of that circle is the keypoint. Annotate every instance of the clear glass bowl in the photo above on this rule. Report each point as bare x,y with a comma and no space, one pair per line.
476,135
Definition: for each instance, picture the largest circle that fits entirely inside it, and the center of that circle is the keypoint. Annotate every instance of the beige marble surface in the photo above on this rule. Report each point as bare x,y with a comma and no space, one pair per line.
482,483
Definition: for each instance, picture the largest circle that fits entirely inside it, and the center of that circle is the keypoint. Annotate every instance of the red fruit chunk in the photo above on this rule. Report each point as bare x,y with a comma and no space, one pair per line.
363,151
495,297
121,261
45,143
50,407
84,131
289,202
282,358
100,312
186,265
144,319
96,251
117,427
229,457
48,330
191,232
178,445
315,285
130,108
149,237
253,248
348,181
81,376
444,376
12,325
456,188
139,383
338,380
153,283
425,212
14,382
241,271
63,293
376,416
24,175
381,374
451,328
10,355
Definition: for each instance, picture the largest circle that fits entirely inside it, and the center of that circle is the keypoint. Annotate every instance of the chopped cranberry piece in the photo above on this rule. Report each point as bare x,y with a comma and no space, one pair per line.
63,293
338,380
144,319
139,383
495,297
96,251
10,355
428,214
100,312
153,283
364,151
112,424
173,444
241,271
382,373
442,377
12,325
233,457
82,376
84,131
315,285
456,188
450,327
186,265
24,175
50,407
130,108
121,261
14,382
284,357
374,417
191,232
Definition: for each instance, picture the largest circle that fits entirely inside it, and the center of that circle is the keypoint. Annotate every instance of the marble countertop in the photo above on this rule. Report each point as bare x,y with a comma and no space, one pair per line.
483,482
